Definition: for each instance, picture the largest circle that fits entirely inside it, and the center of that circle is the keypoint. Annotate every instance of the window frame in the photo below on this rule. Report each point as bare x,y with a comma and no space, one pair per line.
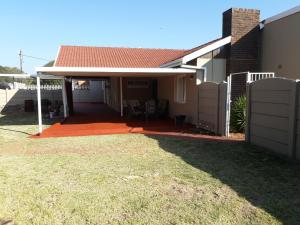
177,89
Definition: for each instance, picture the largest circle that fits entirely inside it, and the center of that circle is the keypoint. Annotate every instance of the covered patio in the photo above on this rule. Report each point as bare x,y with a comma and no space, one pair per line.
107,121
107,118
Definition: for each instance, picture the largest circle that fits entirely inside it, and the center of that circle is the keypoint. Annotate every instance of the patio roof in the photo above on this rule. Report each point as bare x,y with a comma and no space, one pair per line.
110,72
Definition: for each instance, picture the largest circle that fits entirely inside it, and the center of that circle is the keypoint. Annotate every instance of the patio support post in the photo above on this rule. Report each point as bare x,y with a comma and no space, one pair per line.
121,95
64,97
39,103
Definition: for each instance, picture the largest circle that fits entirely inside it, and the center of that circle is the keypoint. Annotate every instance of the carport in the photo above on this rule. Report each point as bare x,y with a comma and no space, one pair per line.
67,73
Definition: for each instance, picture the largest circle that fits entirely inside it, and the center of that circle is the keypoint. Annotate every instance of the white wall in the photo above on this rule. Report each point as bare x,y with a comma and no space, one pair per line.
95,93
215,69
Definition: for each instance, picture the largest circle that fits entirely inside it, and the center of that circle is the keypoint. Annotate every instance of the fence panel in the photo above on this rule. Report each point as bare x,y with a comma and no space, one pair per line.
17,97
212,107
297,129
271,114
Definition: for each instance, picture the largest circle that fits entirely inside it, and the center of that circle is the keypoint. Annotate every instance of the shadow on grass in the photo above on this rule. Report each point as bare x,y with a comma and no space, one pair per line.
12,121
265,180
13,130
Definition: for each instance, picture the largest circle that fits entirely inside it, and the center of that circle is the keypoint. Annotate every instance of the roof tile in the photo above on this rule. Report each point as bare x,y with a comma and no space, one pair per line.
83,56
79,56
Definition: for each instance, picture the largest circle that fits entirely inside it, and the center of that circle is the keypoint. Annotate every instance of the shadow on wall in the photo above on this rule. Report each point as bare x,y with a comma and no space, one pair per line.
12,104
266,181
12,99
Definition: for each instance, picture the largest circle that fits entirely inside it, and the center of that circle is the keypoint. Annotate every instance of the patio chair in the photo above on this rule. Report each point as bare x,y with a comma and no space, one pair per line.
162,108
150,109
134,108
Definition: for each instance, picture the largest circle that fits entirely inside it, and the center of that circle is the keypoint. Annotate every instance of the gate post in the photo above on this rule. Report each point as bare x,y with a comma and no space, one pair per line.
248,113
228,102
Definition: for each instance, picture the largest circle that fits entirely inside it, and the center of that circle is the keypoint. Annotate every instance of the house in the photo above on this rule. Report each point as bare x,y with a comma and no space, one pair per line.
247,44
280,35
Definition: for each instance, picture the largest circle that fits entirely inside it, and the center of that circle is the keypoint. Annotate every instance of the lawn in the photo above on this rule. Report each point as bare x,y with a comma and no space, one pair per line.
140,179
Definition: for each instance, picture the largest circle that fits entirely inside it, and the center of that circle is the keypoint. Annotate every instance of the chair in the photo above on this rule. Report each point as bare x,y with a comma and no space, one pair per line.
162,108
134,108
150,109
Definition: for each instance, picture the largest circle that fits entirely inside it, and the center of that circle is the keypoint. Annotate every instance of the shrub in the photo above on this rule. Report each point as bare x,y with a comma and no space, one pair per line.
238,114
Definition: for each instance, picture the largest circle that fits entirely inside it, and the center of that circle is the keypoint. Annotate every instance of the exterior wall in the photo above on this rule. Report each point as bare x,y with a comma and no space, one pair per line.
189,108
114,93
215,69
280,47
142,94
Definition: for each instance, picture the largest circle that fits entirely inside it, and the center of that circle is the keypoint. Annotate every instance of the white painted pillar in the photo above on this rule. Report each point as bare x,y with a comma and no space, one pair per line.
121,95
64,97
39,103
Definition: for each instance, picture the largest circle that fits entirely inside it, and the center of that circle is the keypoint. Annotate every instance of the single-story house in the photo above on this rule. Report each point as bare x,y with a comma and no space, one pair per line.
247,44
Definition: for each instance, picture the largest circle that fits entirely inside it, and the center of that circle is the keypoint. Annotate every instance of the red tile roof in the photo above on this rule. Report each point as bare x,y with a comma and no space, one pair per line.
81,56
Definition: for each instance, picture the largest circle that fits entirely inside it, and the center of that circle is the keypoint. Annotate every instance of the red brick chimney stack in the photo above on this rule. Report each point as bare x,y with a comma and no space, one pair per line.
243,52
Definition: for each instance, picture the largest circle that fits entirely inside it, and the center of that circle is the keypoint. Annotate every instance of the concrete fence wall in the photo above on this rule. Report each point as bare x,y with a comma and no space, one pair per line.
212,107
94,93
88,96
17,97
273,115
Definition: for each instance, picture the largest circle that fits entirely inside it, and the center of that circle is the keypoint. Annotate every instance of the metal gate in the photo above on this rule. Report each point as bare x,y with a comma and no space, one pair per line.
236,87
238,82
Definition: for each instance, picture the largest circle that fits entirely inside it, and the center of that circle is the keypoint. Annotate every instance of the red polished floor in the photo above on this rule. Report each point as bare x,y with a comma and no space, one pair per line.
96,119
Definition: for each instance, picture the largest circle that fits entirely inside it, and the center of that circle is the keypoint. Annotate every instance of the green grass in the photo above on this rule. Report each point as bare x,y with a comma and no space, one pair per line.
138,179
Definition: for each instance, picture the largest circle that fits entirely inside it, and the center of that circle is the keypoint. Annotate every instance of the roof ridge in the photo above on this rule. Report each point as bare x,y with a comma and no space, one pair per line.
207,43
123,47
188,51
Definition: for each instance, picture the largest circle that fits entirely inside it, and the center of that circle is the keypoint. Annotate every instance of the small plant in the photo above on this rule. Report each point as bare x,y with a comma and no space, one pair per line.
238,114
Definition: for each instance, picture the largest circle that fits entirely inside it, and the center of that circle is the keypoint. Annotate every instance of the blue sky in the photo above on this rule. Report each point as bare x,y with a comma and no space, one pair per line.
39,27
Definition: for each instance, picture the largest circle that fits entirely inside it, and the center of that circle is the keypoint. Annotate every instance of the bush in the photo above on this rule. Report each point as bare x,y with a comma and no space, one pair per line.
238,114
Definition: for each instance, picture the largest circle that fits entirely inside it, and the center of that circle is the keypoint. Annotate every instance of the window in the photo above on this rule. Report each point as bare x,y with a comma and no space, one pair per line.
180,89
137,84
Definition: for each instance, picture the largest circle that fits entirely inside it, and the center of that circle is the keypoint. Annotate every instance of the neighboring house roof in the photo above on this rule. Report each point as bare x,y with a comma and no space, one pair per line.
108,57
281,15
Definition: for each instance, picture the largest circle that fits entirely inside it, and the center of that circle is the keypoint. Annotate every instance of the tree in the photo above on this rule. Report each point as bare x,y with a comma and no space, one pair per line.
8,70
49,82
49,64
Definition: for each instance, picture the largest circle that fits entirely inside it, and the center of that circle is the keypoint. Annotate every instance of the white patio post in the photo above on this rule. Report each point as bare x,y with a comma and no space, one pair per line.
121,96
39,102
64,97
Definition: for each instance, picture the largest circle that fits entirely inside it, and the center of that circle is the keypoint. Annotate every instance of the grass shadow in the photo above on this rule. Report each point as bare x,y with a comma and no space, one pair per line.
265,180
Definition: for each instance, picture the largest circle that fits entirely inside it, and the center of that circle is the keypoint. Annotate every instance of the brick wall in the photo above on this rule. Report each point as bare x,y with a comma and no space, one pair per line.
243,53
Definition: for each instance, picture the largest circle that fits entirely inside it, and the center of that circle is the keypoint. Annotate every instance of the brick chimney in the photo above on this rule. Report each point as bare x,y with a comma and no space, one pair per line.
243,52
